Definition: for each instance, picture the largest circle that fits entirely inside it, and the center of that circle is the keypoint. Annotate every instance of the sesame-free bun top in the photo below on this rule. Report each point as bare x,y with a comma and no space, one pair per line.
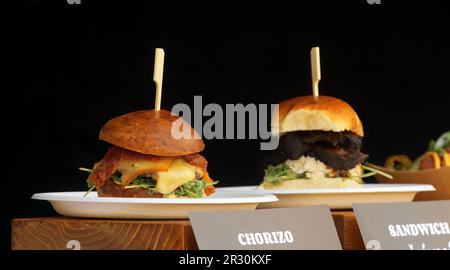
150,132
316,113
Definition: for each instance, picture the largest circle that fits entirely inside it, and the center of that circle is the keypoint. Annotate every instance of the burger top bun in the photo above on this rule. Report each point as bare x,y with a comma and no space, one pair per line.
150,132
316,113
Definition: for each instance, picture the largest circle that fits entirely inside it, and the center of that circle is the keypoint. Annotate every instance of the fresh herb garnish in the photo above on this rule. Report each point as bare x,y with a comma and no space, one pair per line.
440,144
90,183
276,174
117,177
193,189
144,182
373,171
89,190
85,169
281,172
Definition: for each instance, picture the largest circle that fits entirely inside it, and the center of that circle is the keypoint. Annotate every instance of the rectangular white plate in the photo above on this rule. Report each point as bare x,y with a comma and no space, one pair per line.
340,198
74,204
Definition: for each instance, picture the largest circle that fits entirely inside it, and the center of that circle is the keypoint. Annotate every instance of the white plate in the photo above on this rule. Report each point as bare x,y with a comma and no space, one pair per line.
340,198
73,204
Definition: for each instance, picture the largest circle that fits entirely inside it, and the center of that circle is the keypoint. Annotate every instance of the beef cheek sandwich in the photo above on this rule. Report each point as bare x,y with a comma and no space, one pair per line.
319,145
147,161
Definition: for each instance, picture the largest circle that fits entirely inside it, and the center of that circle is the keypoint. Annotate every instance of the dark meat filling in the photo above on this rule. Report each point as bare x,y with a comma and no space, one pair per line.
338,150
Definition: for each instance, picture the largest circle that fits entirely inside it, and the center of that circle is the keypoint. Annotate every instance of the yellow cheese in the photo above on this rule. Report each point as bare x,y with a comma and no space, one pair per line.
131,169
170,173
179,173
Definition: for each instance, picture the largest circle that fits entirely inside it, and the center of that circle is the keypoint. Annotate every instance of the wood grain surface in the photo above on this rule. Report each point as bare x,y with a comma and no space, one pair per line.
62,233
348,230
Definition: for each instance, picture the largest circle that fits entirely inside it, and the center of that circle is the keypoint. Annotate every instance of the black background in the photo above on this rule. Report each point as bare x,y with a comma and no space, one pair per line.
70,68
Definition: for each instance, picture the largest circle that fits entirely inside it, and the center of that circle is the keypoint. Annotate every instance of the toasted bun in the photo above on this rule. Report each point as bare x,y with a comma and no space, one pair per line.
316,183
321,113
149,132
109,189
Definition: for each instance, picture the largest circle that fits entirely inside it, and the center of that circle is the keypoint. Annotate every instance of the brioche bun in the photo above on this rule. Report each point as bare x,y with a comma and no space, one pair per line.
316,113
149,132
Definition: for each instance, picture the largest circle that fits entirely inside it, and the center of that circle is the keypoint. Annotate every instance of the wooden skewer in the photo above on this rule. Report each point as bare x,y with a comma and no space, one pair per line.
158,71
315,70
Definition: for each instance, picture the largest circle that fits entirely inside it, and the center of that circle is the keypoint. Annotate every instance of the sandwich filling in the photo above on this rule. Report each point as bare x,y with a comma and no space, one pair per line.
121,171
310,172
315,155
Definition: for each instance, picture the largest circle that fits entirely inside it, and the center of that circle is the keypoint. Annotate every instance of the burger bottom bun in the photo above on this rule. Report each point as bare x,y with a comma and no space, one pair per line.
110,189
316,183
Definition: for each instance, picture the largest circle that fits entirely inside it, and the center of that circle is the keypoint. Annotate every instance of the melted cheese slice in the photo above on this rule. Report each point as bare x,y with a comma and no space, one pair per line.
170,172
131,169
179,173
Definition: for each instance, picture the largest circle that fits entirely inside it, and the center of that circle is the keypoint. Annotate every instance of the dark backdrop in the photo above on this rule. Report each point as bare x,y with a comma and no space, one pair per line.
70,68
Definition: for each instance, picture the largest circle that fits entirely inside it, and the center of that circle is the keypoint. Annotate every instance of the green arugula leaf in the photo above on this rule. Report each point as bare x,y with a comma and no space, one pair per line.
440,144
281,172
117,178
193,189
144,182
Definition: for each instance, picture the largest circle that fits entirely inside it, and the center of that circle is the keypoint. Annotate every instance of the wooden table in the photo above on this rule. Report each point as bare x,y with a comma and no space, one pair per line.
348,230
58,233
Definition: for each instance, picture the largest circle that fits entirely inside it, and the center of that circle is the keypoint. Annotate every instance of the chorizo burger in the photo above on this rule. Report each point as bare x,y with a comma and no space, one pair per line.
147,161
